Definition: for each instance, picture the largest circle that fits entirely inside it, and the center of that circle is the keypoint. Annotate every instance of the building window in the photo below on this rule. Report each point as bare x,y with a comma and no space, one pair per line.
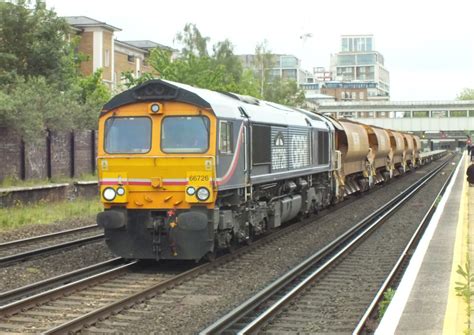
458,113
439,113
346,60
289,61
344,46
225,137
421,113
368,43
361,96
131,58
289,74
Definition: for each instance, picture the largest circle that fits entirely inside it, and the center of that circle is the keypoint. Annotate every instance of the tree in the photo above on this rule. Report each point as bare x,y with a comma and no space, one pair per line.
223,70
263,62
224,56
131,81
193,42
285,92
33,42
220,72
466,94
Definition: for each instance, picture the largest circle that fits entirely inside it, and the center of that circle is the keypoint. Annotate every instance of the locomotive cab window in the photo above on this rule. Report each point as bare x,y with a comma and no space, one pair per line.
225,137
130,135
185,134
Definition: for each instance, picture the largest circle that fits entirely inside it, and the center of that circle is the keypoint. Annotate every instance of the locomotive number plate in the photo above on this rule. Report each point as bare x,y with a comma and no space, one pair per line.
199,178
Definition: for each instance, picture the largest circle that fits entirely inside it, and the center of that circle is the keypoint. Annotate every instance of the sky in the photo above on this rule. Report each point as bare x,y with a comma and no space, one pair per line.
428,46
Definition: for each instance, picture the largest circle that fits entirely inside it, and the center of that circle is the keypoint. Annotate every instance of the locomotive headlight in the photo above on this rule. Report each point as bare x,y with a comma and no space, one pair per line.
120,191
190,190
155,108
202,193
109,194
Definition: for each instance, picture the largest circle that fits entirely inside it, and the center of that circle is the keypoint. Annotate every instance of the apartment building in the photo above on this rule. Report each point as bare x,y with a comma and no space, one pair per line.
358,62
98,42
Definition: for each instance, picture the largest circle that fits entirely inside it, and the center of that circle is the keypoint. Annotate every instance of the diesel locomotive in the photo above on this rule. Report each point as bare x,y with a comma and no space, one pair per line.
184,171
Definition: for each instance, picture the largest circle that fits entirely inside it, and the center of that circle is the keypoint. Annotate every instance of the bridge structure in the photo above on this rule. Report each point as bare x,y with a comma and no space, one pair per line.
436,121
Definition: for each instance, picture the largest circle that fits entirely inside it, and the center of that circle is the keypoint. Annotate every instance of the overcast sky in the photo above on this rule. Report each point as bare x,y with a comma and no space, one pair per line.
428,45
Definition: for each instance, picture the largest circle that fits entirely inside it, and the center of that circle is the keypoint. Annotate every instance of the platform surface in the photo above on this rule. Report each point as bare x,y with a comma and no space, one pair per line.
425,301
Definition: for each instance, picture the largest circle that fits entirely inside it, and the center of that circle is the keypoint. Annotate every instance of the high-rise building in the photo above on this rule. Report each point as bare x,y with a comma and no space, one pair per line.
358,62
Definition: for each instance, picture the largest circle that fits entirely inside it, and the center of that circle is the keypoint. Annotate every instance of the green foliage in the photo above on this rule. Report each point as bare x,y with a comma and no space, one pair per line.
192,70
30,107
40,86
387,298
224,58
131,81
193,42
263,61
466,94
92,94
285,92
33,42
223,70
464,289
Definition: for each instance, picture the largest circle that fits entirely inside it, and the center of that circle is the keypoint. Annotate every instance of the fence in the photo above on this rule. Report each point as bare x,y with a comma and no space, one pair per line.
58,154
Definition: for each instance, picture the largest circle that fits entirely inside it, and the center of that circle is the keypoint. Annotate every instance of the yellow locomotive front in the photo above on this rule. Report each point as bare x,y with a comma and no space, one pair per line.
156,166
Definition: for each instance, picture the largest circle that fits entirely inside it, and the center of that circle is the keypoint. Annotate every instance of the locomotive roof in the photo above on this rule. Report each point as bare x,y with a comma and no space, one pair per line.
224,105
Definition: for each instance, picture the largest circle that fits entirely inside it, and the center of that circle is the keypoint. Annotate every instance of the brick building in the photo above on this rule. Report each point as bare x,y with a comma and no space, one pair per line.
98,42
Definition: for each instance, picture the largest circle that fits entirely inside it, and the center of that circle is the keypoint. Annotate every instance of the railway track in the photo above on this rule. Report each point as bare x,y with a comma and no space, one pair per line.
57,281
90,303
327,293
20,250
80,302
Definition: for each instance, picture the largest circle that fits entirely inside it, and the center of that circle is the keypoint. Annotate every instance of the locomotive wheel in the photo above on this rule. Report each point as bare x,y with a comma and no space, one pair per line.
211,256
232,246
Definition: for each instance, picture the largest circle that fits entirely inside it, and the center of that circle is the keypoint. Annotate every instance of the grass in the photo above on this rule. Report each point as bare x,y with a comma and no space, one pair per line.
465,290
45,213
15,182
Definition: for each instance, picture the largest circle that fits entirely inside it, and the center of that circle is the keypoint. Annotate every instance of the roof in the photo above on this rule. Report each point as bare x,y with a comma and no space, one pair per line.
130,46
223,105
318,96
400,104
147,44
84,22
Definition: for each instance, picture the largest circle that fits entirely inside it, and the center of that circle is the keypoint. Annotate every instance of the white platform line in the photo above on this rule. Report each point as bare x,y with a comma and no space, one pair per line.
391,318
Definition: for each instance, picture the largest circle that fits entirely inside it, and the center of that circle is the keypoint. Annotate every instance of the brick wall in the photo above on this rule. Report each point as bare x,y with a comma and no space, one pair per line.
83,155
60,154
86,47
63,154
122,65
10,154
36,166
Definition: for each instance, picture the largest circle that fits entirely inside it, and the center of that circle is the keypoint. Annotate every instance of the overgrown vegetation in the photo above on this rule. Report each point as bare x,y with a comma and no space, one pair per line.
40,83
44,213
464,290
387,298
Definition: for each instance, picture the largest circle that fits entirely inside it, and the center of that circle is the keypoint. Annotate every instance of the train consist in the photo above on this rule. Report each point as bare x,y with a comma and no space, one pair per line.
185,171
